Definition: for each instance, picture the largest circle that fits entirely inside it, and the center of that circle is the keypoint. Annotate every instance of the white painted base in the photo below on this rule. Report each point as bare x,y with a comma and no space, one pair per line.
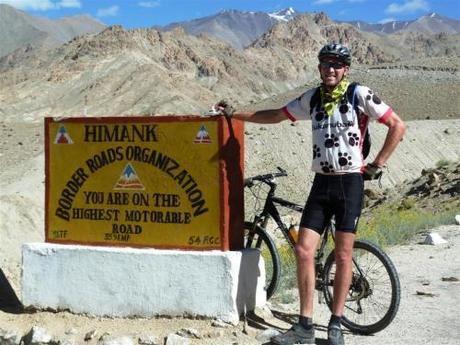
108,281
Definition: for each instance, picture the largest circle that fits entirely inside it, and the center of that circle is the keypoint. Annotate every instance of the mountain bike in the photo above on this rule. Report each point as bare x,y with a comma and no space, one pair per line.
374,294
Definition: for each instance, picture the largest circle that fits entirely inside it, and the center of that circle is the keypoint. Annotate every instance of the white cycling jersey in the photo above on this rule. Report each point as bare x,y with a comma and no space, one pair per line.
337,139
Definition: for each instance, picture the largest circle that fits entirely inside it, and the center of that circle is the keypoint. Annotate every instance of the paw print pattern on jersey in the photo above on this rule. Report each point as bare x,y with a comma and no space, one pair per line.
320,115
374,97
326,167
344,159
369,96
316,152
343,108
353,139
331,140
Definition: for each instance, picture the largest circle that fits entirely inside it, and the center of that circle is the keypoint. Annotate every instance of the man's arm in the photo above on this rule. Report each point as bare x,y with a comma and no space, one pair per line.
262,116
396,130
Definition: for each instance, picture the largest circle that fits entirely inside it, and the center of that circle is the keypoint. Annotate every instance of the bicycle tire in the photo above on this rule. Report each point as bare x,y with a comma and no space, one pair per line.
368,256
263,242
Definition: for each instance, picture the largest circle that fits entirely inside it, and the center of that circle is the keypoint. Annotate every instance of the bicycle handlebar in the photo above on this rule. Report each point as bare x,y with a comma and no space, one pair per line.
267,178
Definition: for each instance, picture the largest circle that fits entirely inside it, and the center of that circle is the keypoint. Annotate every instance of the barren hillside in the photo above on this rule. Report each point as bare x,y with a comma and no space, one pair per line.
19,30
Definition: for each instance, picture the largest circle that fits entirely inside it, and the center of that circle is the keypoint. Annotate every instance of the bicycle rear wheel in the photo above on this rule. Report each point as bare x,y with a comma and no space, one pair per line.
256,237
375,292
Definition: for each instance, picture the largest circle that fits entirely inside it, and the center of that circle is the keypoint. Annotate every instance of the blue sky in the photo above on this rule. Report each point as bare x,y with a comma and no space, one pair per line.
146,13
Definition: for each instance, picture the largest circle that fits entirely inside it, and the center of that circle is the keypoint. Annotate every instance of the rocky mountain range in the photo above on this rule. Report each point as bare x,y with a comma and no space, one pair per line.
19,30
240,29
149,71
431,23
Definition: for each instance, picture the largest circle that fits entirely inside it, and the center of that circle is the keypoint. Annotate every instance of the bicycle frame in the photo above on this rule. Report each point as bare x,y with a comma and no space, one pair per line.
270,210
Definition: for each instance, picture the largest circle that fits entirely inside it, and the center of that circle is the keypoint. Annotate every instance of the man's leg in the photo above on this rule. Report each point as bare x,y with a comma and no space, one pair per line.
306,278
303,332
343,257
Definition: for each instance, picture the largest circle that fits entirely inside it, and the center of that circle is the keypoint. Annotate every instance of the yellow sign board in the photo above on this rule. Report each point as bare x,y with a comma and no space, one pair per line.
164,182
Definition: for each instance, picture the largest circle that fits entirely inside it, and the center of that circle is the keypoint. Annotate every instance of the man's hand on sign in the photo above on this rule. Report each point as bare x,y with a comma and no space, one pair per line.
225,108
214,111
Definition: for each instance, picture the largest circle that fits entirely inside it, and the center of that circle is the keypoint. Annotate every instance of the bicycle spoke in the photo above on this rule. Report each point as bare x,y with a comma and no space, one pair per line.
373,298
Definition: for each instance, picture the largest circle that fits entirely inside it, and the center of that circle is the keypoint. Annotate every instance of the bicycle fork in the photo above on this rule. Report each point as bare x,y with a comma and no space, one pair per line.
258,221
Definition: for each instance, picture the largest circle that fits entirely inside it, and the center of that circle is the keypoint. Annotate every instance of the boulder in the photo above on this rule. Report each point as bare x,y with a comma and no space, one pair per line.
434,239
9,337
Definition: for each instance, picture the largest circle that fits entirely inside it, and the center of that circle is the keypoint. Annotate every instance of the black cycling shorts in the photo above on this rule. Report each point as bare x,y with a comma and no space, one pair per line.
338,195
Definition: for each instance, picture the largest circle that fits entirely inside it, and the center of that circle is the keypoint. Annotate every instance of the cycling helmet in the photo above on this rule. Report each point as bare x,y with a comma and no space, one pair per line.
336,50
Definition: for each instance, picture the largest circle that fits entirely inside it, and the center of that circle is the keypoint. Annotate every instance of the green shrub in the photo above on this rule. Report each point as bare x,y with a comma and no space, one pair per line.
442,163
407,204
390,225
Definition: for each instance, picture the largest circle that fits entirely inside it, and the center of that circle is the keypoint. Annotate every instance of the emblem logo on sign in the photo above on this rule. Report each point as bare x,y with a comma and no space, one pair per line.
129,179
202,136
62,136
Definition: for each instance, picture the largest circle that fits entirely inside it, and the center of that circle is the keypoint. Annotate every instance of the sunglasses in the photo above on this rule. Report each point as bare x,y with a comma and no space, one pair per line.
329,64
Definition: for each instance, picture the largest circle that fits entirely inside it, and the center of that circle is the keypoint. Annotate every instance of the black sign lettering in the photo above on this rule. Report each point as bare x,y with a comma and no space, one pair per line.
118,198
126,229
121,133
95,214
93,197
140,199
69,193
116,237
104,158
203,240
166,200
158,217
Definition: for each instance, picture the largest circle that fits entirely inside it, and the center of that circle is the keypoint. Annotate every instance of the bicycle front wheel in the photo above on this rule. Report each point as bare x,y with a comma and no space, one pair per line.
256,237
375,292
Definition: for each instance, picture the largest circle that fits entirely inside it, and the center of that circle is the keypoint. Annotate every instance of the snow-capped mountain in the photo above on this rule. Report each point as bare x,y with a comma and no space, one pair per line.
237,28
284,15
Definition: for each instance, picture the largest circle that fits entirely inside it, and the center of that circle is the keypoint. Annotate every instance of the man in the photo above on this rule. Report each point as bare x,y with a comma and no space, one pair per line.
338,130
